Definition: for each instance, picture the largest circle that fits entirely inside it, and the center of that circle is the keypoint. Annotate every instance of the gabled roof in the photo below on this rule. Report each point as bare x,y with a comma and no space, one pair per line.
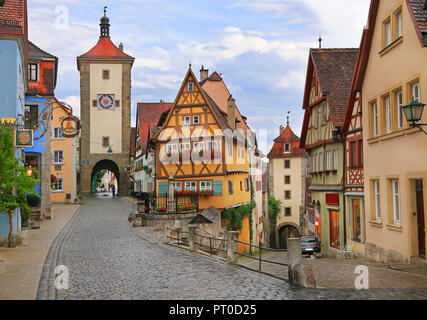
35,53
148,115
209,215
286,136
215,86
105,49
335,70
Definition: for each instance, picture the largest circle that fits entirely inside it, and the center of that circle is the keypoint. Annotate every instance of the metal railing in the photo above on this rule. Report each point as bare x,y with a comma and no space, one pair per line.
212,240
259,258
163,204
179,239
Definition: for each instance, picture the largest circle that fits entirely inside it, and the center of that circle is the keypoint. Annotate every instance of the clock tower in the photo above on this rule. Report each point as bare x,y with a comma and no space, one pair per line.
105,93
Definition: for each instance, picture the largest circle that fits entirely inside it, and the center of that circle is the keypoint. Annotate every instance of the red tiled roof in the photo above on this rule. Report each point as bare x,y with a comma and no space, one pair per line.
105,49
335,70
148,116
12,17
418,8
286,136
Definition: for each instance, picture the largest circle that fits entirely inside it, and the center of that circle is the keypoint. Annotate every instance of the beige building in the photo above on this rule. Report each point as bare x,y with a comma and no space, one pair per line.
287,176
394,73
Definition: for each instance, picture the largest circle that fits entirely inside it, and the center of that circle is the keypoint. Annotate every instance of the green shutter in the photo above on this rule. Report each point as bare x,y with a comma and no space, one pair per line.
163,187
217,187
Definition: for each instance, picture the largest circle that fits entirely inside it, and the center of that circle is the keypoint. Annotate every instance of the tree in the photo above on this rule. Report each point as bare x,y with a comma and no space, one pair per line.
274,207
15,184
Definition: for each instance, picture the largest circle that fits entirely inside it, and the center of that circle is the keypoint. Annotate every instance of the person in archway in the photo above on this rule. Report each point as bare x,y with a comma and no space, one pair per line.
113,188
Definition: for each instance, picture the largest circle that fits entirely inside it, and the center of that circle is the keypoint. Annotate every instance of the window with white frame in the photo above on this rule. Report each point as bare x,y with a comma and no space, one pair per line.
287,147
190,186
59,185
375,118
416,92
399,104
57,133
212,145
177,186
396,201
58,157
171,148
33,71
321,168
335,159
230,148
387,114
398,23
377,200
328,161
205,185
196,119
387,32
191,86
187,120
198,146
185,146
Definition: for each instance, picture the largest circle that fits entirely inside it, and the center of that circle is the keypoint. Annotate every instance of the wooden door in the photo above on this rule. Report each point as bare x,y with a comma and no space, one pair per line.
420,219
334,229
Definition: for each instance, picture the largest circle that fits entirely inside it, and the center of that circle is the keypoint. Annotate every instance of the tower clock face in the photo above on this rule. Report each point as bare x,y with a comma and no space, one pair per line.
106,101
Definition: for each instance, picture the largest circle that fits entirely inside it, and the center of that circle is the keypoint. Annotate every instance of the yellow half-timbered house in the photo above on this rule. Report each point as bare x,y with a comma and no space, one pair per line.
199,149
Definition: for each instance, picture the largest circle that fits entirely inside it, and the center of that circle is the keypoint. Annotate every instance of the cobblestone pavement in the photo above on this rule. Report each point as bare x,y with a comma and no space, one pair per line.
109,260
336,273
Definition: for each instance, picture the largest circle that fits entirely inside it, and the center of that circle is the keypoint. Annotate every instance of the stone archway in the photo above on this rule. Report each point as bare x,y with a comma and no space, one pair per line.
108,165
285,231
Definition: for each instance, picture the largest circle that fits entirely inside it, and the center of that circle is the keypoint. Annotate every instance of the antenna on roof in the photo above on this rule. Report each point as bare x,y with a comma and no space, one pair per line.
320,42
105,11
189,64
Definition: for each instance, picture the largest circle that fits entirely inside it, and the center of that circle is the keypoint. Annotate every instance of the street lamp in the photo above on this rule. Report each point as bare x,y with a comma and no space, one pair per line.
413,113
29,171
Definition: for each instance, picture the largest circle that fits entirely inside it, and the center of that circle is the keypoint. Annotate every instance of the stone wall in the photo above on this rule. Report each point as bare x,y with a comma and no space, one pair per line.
374,253
173,221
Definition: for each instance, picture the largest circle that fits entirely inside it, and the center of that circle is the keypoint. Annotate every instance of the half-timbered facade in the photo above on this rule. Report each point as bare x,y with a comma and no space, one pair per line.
354,180
327,90
198,149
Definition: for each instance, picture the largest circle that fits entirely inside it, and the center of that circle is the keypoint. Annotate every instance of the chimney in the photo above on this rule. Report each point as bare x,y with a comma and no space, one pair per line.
121,46
231,113
204,74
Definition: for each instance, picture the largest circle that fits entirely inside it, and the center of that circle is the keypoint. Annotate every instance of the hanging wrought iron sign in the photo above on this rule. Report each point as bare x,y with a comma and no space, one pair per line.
70,126
23,138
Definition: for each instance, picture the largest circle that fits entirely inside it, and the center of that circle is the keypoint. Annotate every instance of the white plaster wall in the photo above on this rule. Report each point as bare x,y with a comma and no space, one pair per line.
105,123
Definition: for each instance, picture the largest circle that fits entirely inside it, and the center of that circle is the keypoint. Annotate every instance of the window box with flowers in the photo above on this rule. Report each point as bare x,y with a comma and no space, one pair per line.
187,208
162,209
52,181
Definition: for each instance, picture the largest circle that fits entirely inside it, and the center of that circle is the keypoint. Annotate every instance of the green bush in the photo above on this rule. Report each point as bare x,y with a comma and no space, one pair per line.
25,214
33,200
235,216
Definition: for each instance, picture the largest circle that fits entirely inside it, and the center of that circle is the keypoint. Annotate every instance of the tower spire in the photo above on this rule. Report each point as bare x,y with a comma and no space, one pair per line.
287,118
320,41
105,25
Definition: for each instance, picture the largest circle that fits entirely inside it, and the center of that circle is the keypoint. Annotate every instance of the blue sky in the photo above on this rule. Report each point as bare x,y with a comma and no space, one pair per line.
259,46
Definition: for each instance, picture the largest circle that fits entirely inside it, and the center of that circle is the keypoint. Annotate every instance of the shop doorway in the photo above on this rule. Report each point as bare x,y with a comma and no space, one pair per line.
420,218
334,229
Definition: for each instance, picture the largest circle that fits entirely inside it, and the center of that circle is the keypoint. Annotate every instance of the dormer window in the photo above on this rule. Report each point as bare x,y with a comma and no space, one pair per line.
33,71
191,86
287,147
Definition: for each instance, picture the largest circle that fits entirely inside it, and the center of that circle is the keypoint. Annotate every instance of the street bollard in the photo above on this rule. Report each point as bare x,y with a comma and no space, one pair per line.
294,251
167,233
232,237
191,237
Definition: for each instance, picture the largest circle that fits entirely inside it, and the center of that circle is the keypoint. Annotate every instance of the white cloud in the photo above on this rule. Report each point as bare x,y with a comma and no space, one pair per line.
156,81
234,42
74,102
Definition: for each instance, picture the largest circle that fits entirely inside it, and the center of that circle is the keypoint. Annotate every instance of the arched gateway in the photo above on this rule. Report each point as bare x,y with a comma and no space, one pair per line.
105,93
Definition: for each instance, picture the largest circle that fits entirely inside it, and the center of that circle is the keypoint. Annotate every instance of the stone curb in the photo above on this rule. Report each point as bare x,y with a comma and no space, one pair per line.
46,289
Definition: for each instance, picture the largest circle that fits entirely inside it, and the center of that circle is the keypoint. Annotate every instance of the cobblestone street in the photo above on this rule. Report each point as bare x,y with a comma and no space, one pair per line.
109,260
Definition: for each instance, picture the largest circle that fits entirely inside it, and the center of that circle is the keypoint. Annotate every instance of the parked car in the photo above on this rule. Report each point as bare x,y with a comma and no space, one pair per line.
309,245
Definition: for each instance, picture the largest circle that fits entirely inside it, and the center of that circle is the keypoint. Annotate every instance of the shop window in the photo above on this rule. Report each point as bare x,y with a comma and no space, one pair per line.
355,208
334,229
